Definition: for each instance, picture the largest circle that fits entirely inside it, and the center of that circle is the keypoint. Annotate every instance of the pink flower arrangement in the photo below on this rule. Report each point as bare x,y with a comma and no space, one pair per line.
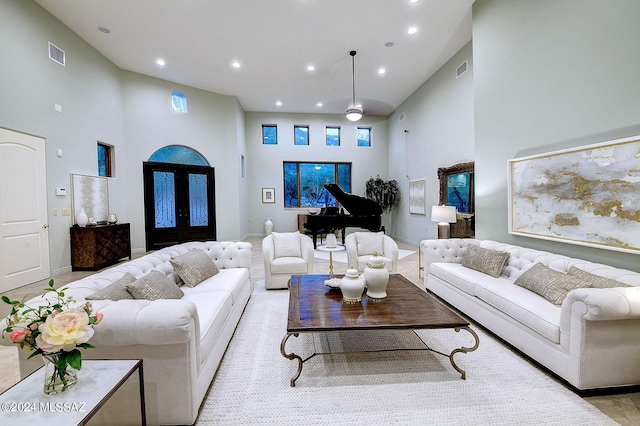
62,326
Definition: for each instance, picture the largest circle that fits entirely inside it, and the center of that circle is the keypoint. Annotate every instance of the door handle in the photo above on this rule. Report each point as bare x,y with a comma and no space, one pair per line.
45,226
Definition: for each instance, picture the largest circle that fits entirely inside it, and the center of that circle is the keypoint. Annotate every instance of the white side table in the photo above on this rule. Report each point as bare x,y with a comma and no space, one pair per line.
25,403
330,250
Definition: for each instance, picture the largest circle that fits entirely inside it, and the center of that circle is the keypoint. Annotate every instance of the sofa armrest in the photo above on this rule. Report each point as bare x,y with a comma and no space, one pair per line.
144,322
604,304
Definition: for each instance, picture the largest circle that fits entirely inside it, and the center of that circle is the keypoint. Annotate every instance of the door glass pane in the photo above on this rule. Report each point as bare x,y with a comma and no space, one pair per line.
164,198
198,205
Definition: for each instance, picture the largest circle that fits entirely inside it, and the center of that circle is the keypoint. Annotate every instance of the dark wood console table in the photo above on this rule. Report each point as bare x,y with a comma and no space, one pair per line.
96,247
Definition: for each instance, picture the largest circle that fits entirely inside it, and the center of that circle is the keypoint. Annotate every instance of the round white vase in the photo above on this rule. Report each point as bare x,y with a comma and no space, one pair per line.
376,277
82,219
268,226
351,286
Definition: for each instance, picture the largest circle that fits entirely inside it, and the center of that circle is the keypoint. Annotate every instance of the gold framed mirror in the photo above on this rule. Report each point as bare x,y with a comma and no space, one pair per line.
456,187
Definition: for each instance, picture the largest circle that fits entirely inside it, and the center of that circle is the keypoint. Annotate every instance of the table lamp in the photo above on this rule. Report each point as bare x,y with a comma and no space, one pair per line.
444,215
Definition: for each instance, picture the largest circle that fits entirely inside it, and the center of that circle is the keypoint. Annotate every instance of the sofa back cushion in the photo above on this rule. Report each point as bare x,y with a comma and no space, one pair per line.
194,266
369,242
115,291
551,284
153,286
596,281
286,244
484,260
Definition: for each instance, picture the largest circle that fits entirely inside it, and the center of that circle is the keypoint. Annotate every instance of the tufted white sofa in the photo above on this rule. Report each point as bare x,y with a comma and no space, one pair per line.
181,341
592,340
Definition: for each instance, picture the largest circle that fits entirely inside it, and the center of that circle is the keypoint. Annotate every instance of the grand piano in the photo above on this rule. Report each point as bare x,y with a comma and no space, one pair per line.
363,213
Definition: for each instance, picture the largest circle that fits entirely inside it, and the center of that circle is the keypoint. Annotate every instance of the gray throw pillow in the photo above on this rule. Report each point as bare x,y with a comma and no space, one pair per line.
153,286
194,267
596,281
551,284
484,260
114,291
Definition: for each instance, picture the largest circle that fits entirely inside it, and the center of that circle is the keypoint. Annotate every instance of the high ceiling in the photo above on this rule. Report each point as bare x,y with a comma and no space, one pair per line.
274,41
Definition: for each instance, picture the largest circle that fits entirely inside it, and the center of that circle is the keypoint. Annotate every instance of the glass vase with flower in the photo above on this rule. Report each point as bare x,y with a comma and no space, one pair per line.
56,329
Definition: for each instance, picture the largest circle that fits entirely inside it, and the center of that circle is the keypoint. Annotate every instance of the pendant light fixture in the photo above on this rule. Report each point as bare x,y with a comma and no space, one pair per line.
353,113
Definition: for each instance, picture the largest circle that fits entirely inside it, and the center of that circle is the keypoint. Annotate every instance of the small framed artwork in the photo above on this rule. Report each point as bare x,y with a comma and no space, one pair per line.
417,196
268,195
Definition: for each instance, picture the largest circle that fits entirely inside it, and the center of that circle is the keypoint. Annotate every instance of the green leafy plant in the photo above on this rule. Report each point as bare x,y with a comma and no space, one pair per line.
385,193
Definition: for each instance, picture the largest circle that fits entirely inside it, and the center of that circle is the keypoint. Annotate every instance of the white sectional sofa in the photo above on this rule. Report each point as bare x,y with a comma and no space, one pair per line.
591,339
181,341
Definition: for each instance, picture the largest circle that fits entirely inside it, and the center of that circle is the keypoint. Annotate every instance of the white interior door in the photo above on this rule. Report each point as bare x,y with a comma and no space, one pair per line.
24,235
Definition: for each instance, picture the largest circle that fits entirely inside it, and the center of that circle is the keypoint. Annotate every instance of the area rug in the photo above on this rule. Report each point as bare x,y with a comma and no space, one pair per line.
400,388
341,256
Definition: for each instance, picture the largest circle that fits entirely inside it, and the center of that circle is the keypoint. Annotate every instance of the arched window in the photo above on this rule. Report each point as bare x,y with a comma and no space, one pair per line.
178,154
179,102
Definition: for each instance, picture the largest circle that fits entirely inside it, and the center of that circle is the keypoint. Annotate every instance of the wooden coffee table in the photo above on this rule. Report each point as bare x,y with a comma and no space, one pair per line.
315,308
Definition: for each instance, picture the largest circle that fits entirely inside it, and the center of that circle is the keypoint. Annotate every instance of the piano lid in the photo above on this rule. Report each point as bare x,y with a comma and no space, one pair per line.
354,204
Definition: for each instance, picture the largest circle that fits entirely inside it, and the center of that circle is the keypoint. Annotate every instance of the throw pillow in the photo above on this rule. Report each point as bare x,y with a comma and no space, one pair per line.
153,286
194,267
369,242
286,244
551,284
484,260
114,291
596,281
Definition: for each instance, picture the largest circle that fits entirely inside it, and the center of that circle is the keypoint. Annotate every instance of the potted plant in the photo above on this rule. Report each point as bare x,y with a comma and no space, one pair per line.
385,193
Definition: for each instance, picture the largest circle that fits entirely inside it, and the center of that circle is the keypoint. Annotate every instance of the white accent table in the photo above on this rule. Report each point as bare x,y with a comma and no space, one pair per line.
25,403
331,281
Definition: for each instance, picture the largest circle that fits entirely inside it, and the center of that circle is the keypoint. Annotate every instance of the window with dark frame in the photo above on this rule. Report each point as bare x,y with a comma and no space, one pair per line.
304,183
301,135
364,136
105,160
333,135
269,134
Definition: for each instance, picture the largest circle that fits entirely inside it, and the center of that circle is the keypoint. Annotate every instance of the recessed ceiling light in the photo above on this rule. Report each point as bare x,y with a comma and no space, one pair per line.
311,68
412,30
104,30
414,1
319,104
279,103
160,62
382,71
235,64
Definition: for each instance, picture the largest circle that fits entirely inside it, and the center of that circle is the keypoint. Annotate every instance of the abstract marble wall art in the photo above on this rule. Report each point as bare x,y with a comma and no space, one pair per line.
90,193
588,195
417,196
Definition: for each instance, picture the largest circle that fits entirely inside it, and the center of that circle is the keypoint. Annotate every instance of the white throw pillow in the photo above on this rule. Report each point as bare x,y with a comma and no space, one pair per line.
369,242
286,244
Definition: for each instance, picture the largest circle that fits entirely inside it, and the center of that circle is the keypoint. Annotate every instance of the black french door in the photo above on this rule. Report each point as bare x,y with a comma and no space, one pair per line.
179,204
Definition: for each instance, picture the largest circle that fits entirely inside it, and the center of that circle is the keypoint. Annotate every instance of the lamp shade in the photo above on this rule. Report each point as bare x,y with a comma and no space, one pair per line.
443,214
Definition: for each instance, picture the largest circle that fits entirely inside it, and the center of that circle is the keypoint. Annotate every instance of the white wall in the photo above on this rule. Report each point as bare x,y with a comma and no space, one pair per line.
210,127
550,73
264,162
87,89
439,118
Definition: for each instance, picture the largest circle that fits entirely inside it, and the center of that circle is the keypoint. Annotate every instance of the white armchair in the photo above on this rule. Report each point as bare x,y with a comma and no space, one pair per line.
361,245
286,254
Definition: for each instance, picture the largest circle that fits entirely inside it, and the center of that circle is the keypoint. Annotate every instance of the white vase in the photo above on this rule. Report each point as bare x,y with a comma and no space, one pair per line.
82,219
331,241
268,226
376,277
352,286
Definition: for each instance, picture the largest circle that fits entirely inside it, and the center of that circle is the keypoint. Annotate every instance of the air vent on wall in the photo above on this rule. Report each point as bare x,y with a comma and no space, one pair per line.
401,117
56,54
462,68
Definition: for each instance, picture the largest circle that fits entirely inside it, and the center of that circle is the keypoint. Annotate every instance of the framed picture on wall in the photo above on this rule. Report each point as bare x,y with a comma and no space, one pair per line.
268,195
417,196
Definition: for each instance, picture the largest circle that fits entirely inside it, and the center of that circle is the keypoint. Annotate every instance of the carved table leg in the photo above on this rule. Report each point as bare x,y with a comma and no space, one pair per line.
292,356
464,350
